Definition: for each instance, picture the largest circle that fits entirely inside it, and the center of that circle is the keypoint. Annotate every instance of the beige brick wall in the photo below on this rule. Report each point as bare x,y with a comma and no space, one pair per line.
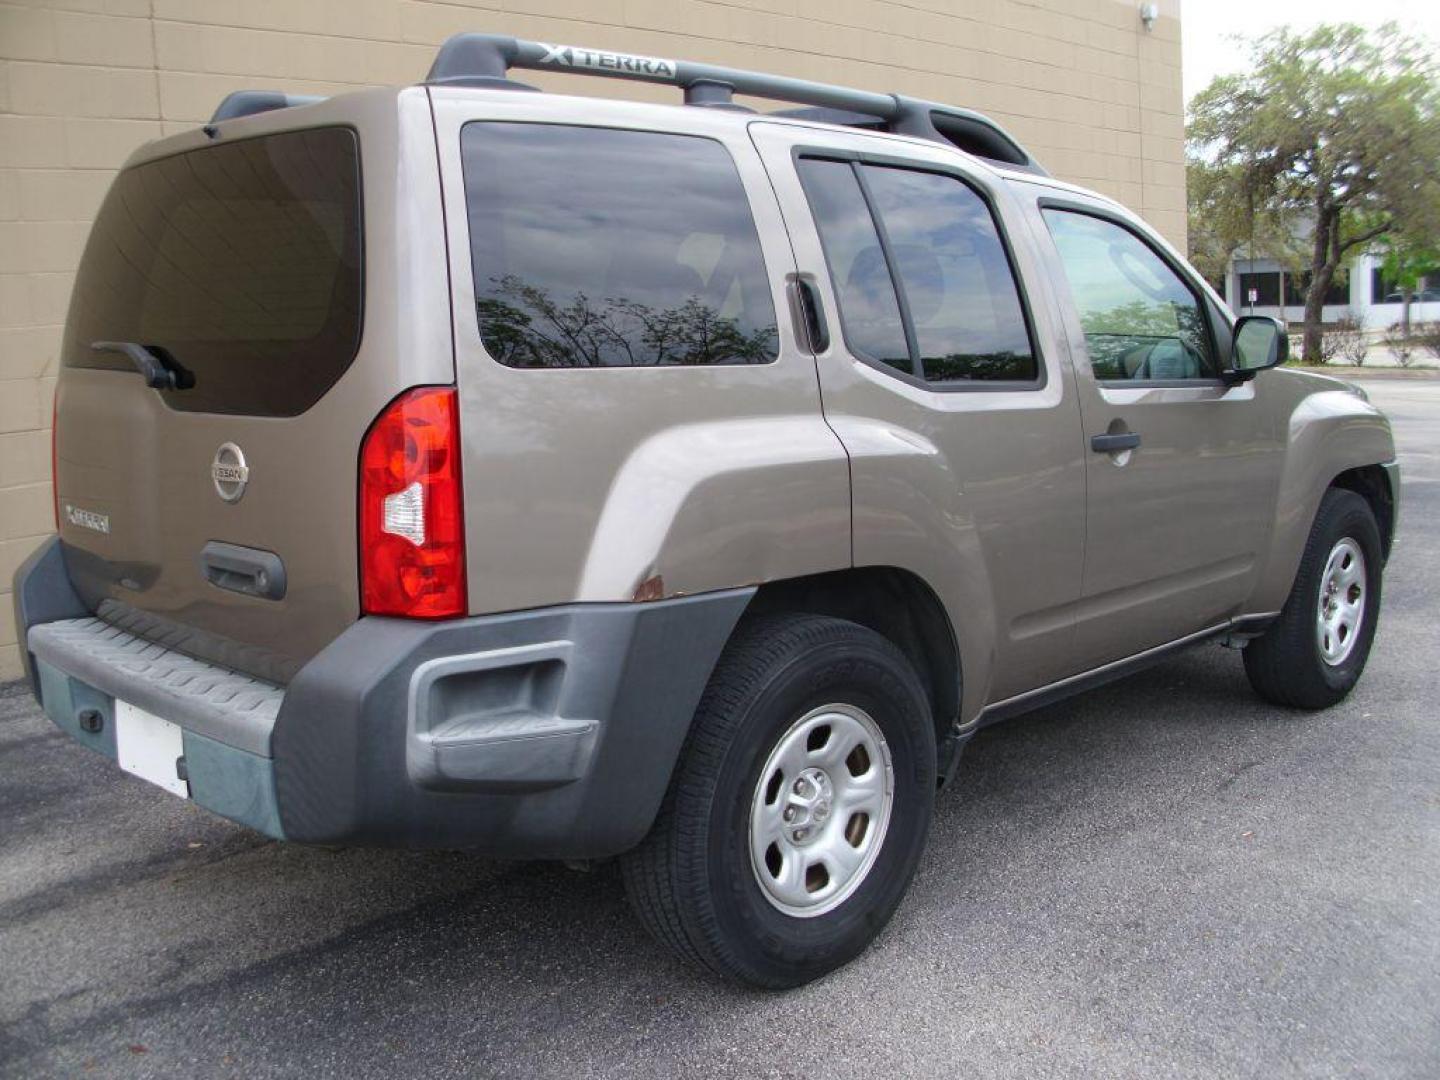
1080,82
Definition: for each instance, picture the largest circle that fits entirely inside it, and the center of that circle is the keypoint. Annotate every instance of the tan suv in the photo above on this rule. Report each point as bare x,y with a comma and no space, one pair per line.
462,466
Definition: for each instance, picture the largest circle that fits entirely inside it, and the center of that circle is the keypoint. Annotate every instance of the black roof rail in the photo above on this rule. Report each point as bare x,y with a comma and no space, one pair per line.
249,102
486,59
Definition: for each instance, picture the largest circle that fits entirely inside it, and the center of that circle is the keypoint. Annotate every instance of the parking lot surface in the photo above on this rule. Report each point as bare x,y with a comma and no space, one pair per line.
1166,877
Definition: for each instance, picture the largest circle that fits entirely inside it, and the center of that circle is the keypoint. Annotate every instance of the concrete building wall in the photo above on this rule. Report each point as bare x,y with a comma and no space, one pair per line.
1092,93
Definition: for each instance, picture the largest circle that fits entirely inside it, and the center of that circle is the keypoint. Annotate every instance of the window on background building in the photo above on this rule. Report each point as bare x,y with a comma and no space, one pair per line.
1297,285
1382,289
1260,290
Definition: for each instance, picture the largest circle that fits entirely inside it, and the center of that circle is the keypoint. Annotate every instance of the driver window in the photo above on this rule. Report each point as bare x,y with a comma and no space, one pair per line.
1141,320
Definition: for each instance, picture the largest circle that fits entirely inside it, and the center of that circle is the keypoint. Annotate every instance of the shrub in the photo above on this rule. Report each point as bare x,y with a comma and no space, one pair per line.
1426,336
1402,345
1345,339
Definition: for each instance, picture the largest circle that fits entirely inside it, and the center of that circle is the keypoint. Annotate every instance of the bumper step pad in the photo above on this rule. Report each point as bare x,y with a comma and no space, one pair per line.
223,705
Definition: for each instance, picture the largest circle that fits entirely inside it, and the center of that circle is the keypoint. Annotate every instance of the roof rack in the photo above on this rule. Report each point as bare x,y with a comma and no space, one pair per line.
486,59
249,102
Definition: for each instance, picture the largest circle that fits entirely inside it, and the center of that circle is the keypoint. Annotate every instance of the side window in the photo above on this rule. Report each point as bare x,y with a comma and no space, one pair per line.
1141,320
868,307
923,281
599,247
956,277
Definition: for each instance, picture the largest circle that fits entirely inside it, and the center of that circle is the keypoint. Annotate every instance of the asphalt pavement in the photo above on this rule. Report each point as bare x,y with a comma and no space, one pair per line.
1165,878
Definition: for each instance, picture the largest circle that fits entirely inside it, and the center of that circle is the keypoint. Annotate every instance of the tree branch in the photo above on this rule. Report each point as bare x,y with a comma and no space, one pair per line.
1366,236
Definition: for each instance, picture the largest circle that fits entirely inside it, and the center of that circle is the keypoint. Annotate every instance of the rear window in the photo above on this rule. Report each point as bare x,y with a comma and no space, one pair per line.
596,247
240,263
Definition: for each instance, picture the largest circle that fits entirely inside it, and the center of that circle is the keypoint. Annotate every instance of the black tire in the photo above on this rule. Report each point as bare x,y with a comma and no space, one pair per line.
1286,665
691,880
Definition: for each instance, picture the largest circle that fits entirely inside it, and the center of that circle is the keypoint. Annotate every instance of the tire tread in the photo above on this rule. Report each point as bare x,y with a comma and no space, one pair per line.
665,876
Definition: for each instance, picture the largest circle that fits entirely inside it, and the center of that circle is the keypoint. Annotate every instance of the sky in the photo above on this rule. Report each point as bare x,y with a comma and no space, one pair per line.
1205,26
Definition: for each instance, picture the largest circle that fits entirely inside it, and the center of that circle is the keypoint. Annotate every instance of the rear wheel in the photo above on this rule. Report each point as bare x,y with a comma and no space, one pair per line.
1314,653
799,808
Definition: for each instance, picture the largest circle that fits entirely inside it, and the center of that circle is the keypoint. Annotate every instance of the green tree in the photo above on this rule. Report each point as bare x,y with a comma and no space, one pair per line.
1336,128
1407,262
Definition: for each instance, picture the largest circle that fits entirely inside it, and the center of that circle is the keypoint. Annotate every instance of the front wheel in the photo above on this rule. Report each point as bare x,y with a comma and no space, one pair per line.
799,808
1314,653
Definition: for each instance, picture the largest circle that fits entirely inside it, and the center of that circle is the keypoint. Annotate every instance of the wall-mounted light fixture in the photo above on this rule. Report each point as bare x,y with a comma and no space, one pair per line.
1148,14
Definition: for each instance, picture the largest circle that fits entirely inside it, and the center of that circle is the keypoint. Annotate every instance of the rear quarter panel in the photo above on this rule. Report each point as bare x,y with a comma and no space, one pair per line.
618,484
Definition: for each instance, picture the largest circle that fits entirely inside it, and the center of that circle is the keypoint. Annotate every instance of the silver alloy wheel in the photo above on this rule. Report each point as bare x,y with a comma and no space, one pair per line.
1340,611
820,810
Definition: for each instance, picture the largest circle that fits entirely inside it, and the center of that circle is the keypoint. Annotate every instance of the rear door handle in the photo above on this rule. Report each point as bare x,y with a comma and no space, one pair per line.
246,570
812,313
1112,444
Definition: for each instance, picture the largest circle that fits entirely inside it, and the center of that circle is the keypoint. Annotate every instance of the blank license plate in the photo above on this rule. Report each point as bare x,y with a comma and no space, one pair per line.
149,747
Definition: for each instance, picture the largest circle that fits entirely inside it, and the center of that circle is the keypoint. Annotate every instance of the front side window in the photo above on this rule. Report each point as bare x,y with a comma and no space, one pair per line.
598,247
1141,320
922,278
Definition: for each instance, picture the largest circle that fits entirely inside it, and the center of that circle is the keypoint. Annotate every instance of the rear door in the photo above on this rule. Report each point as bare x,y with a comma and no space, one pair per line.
268,271
1181,467
947,380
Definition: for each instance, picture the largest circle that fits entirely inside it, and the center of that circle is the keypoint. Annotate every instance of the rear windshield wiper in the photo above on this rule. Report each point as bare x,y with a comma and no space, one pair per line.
159,368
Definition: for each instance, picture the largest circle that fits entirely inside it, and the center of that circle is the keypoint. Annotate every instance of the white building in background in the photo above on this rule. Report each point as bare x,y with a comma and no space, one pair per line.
1262,287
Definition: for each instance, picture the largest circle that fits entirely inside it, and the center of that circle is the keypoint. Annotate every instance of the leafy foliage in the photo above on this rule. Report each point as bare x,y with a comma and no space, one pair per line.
1336,131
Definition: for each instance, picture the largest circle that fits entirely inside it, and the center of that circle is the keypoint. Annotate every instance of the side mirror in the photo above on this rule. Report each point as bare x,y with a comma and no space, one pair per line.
1260,342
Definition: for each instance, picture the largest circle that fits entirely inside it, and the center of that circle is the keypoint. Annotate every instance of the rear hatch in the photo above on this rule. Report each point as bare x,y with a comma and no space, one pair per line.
243,268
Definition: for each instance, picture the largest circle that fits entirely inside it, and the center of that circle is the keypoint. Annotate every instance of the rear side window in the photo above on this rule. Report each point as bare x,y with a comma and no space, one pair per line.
922,277
241,262
864,289
597,247
1141,320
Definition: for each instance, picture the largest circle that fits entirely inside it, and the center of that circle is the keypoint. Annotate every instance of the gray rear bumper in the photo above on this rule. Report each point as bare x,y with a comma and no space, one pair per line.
549,733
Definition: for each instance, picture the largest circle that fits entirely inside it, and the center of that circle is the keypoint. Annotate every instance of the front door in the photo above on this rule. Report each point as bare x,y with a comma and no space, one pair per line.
1181,467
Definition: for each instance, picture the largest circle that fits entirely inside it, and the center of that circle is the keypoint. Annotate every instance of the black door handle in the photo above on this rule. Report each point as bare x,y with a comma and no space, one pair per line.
1111,444
817,331
244,570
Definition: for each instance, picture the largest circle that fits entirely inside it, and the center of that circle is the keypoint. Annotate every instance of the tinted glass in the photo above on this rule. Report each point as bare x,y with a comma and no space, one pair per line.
955,275
869,310
241,261
1262,288
1141,320
595,247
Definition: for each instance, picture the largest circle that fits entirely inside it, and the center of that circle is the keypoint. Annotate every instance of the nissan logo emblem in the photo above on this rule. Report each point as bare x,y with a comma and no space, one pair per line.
229,472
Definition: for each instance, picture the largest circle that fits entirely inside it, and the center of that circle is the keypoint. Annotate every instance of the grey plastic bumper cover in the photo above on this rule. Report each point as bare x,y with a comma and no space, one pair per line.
223,705
543,734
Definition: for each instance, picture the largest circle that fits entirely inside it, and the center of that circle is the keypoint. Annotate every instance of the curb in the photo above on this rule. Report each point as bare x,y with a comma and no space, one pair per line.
1349,372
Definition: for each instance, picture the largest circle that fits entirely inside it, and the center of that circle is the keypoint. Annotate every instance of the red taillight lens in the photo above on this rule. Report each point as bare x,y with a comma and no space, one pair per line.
412,526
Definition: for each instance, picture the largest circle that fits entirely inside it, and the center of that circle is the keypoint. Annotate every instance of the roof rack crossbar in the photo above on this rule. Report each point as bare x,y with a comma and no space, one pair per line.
485,59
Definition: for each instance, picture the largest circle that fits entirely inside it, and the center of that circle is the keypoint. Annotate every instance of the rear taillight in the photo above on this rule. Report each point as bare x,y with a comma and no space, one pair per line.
412,528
